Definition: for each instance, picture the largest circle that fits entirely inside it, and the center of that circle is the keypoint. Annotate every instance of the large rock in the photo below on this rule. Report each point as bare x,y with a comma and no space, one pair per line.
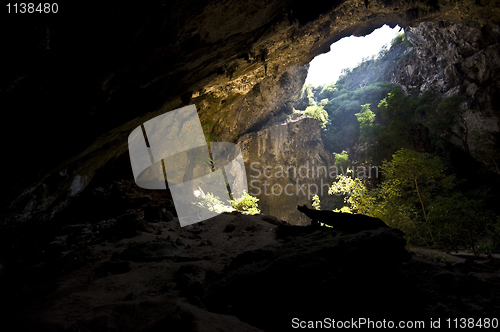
315,275
459,58
286,165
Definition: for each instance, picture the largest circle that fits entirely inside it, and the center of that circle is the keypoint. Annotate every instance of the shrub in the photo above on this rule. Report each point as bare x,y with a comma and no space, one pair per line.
213,203
316,202
400,37
319,113
342,160
356,198
365,118
247,204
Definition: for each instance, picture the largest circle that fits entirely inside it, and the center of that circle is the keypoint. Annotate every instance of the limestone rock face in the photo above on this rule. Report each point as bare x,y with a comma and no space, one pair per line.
450,55
263,105
286,165
463,58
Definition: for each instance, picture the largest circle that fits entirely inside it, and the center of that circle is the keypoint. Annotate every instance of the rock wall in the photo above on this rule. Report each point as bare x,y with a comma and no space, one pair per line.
267,102
286,165
459,58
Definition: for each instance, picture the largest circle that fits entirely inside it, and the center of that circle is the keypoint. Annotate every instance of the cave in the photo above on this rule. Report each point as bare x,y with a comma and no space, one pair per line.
83,247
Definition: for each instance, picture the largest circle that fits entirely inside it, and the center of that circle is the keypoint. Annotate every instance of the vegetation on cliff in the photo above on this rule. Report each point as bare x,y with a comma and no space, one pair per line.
430,187
246,204
339,102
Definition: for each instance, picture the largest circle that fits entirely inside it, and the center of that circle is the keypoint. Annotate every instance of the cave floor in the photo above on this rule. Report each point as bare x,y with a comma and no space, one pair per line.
139,270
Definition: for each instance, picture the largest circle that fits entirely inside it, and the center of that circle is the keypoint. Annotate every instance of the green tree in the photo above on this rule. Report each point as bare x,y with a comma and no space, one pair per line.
318,113
418,197
365,118
328,91
343,127
459,222
409,180
308,90
401,116
356,197
342,160
400,39
247,204
448,121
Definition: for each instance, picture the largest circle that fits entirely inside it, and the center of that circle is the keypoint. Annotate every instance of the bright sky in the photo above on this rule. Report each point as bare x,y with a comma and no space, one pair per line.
347,53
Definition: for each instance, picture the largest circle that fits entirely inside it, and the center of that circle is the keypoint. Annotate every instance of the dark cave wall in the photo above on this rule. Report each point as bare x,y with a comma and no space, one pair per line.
75,84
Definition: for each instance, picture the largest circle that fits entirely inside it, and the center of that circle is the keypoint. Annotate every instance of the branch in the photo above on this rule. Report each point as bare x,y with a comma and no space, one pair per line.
423,209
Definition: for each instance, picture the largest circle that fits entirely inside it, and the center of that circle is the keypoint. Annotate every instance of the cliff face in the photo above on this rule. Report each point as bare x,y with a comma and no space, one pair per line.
459,58
262,106
278,145
75,85
286,165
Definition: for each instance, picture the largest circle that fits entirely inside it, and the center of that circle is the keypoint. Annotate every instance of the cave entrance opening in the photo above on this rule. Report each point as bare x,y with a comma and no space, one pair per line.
344,83
347,53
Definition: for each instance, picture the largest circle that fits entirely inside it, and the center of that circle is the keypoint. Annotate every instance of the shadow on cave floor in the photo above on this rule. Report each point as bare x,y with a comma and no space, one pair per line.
136,269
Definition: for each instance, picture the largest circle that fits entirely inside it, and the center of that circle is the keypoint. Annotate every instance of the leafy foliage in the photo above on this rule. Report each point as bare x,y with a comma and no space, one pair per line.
419,193
310,95
342,160
355,195
313,109
401,123
247,204
213,203
328,91
343,126
365,84
406,191
365,118
318,113
316,202
400,37
459,222
419,198
447,121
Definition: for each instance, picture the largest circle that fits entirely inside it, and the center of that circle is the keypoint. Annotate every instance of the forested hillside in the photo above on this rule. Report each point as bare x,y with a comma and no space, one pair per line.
431,184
